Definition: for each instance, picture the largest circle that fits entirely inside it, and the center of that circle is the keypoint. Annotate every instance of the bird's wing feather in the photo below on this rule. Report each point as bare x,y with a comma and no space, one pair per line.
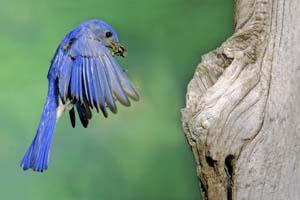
88,74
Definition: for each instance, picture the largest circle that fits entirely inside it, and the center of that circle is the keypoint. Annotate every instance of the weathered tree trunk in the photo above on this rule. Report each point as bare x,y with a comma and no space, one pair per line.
242,116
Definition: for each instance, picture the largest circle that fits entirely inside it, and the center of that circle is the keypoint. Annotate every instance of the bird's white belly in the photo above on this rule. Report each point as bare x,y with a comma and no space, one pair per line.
62,108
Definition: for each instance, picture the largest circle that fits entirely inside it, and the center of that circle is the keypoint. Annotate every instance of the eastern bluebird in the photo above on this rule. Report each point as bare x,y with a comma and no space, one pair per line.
83,74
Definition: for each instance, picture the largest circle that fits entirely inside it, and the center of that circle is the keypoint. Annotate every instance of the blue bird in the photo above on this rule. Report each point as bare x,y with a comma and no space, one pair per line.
84,76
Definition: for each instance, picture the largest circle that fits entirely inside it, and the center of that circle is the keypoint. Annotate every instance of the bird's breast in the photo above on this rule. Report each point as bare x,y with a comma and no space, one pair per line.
63,107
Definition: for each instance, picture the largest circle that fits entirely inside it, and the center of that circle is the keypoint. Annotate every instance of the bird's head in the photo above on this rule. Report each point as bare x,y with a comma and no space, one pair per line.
106,34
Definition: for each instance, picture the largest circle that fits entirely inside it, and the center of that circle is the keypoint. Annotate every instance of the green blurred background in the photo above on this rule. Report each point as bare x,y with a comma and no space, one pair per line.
141,153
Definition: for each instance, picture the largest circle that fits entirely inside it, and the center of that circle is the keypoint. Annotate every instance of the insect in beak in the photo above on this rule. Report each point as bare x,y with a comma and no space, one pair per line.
117,49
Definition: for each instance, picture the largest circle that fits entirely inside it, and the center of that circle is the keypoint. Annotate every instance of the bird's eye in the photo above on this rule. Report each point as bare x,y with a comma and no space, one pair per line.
108,34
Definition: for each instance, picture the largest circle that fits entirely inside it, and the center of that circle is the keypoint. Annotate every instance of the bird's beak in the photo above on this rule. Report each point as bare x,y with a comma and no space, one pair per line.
117,49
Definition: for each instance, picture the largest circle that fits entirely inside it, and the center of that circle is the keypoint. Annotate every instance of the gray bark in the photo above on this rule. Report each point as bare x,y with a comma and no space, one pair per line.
242,115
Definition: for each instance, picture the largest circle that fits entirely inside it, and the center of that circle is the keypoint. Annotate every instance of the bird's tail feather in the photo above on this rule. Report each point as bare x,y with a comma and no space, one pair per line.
38,153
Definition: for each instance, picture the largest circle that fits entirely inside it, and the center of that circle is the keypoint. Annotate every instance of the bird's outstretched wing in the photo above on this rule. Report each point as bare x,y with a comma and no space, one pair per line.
90,77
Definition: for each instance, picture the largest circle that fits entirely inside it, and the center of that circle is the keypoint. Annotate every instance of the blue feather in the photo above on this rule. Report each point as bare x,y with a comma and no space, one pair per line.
115,82
90,83
95,83
65,76
107,87
126,84
80,80
73,82
37,155
76,66
100,83
86,82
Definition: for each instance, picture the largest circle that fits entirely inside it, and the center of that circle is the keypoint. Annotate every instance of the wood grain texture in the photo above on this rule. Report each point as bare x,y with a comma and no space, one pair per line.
242,115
